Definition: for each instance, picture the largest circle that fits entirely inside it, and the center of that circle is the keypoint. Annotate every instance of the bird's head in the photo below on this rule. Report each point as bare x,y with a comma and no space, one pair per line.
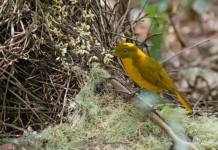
125,50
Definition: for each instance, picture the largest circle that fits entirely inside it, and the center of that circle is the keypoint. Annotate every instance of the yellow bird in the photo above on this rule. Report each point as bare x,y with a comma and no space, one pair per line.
147,72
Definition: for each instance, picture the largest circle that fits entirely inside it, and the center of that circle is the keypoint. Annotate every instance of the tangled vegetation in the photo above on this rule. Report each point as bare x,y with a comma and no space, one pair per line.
46,51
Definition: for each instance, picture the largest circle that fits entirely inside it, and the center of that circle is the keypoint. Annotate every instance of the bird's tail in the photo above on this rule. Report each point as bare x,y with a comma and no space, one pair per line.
184,101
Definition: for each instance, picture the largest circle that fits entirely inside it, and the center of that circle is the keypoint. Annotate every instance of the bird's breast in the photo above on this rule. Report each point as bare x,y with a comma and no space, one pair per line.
134,73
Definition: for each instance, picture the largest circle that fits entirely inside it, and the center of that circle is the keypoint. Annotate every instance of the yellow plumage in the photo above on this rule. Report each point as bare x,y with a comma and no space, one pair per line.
145,71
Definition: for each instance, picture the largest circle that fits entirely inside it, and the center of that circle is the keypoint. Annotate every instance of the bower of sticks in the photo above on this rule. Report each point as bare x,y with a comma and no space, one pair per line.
60,88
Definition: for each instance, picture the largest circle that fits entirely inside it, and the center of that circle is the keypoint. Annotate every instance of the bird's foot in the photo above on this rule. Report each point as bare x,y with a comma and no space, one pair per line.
131,95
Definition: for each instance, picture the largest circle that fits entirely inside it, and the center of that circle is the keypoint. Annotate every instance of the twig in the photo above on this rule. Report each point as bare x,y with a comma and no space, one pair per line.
46,21
151,37
101,18
143,8
113,12
118,86
5,94
198,101
12,126
26,104
178,35
169,131
19,84
185,50
121,21
125,37
64,103
3,6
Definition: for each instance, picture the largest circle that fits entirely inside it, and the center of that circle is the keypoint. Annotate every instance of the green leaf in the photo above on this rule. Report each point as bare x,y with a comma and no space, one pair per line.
151,10
156,49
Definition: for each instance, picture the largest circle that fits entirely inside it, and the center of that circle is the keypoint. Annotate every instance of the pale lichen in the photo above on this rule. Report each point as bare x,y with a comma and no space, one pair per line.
82,43
88,14
73,2
108,58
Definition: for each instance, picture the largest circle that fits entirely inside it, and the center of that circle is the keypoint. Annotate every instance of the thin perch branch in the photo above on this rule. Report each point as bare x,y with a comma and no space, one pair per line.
185,50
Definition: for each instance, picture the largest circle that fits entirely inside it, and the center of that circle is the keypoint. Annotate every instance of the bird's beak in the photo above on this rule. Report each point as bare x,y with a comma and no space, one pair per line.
111,52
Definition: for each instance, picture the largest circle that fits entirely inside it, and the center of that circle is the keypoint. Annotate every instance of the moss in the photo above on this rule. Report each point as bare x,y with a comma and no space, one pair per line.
87,99
97,121
107,122
121,128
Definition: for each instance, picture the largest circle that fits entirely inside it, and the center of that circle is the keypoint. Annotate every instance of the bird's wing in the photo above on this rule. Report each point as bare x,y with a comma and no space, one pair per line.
154,73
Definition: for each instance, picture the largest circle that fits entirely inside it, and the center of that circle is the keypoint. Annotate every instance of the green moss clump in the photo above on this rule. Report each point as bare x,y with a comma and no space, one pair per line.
102,121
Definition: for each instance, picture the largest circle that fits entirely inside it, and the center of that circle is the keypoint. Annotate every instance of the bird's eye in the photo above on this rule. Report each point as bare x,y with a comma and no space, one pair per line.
125,51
